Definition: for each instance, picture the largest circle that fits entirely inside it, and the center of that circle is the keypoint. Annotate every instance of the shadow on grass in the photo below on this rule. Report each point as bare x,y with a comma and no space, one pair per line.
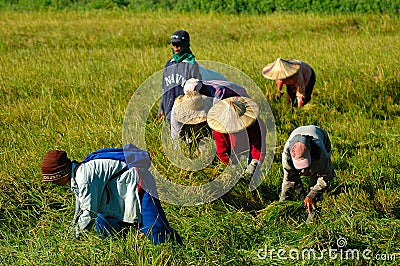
283,211
387,208
366,186
242,198
384,202
396,211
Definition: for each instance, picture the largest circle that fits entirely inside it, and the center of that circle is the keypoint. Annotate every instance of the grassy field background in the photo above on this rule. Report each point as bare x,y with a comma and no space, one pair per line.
66,79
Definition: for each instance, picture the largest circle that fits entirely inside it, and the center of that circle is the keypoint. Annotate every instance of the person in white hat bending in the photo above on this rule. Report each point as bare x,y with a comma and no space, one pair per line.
298,76
238,130
307,152
189,118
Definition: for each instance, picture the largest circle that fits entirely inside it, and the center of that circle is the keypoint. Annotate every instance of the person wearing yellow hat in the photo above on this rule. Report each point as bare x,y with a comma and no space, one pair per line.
307,152
189,119
238,130
298,77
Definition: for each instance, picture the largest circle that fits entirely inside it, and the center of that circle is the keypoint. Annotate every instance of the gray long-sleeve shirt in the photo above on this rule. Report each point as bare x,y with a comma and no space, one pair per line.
321,164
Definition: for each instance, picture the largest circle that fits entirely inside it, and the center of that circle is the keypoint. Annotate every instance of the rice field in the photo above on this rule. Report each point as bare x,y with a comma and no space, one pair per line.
67,78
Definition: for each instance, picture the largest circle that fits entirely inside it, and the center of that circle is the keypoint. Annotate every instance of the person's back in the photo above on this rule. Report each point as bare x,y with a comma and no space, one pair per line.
216,89
221,89
97,191
321,148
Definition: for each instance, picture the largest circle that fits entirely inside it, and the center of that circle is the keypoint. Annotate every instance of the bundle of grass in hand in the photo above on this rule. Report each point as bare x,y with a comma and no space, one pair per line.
282,211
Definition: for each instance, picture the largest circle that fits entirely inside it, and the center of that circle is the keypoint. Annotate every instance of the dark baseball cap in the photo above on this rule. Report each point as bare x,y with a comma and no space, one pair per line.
180,36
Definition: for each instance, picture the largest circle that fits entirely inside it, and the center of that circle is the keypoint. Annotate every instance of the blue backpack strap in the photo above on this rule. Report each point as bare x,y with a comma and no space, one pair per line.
106,153
154,221
136,157
130,154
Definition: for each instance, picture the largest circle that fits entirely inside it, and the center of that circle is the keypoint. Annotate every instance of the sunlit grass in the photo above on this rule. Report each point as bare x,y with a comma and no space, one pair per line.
66,79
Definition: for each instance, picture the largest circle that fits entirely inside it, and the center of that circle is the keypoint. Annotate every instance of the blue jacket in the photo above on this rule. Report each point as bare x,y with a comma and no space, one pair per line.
174,76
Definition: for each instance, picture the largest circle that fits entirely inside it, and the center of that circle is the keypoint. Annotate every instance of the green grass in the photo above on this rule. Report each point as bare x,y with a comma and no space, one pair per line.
66,79
211,6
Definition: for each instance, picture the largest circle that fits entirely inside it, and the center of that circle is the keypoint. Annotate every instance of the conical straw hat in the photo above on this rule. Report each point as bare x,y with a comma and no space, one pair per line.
192,108
232,114
281,69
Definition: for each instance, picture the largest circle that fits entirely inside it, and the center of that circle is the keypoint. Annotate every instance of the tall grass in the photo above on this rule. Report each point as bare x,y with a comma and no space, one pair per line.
67,77
219,6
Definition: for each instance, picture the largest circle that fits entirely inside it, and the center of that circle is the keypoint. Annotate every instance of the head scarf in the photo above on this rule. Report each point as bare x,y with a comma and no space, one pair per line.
184,54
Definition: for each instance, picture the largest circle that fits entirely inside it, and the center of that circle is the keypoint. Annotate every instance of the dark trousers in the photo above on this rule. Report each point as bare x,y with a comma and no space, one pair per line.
291,90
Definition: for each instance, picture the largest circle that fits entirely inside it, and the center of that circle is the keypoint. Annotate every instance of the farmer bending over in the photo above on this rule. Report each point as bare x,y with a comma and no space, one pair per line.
189,120
307,152
237,131
298,76
109,195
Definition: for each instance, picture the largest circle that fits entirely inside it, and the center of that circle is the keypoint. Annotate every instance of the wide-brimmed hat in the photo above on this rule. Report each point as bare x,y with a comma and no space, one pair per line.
192,108
55,165
232,114
281,69
300,152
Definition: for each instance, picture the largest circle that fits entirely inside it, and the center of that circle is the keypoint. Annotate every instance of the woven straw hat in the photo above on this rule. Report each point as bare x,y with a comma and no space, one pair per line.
192,108
281,69
232,114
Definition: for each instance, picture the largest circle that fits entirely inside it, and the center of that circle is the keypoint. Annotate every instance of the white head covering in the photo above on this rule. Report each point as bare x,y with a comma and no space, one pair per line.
191,85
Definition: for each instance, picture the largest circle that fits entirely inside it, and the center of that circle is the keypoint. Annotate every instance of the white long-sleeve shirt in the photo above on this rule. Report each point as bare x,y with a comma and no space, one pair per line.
95,192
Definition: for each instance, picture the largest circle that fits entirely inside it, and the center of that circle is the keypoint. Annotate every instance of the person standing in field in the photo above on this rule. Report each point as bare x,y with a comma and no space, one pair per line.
307,152
109,194
177,70
298,77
